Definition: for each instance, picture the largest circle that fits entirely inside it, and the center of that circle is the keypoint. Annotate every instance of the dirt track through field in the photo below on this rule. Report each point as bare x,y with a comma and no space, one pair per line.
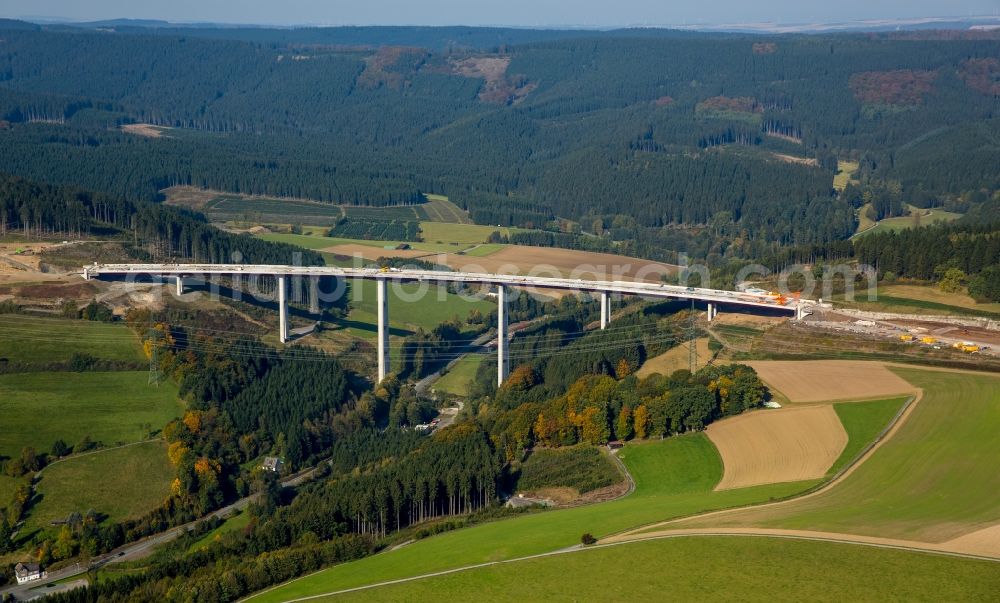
893,543
825,380
774,446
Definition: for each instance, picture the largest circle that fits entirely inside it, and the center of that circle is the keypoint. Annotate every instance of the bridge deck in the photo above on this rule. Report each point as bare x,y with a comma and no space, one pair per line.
653,290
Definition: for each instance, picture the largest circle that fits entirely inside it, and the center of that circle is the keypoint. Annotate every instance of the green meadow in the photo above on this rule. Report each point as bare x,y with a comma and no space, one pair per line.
457,380
120,483
31,339
110,407
710,569
863,421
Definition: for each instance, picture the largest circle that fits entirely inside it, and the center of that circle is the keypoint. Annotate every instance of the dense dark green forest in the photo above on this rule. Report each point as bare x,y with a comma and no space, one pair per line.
155,231
637,136
967,249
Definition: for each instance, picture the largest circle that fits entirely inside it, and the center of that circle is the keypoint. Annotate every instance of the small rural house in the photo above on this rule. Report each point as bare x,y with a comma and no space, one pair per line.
27,572
273,463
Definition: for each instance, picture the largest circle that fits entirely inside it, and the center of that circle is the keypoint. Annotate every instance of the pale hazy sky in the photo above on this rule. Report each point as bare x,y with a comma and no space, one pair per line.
596,13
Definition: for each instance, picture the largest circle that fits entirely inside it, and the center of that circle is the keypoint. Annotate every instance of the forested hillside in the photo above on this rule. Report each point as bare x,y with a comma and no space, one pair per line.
155,231
634,136
949,254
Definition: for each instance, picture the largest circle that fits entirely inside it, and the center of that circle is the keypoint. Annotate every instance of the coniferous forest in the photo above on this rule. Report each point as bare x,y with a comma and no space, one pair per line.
629,135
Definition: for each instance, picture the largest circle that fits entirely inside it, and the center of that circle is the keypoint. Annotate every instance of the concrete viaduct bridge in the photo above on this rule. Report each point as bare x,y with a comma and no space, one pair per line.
503,283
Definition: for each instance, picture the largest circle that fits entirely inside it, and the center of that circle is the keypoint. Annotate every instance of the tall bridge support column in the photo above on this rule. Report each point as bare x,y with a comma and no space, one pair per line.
711,310
605,309
314,295
180,285
503,357
283,308
382,295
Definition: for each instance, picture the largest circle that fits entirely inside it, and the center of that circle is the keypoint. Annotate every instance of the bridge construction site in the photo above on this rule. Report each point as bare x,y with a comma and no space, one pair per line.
799,308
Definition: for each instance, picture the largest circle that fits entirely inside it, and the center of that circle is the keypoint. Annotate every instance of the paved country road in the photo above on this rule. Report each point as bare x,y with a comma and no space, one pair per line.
129,552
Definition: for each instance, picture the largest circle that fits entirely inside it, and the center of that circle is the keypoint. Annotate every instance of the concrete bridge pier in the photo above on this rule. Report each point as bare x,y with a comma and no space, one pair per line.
711,309
605,309
282,308
314,295
180,285
382,295
503,356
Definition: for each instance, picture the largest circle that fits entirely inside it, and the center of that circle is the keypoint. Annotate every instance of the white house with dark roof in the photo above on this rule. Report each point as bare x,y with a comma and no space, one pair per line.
28,572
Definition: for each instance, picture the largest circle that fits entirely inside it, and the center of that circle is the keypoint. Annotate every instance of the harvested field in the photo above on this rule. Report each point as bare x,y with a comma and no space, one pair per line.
675,358
981,542
823,380
371,253
582,264
189,196
795,159
147,130
517,259
774,446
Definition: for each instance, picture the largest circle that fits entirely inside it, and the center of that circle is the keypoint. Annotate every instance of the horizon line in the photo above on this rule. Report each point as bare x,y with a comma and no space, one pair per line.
695,25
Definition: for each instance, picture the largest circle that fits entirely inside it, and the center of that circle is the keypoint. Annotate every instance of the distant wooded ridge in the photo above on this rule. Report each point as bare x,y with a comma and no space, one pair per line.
718,145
